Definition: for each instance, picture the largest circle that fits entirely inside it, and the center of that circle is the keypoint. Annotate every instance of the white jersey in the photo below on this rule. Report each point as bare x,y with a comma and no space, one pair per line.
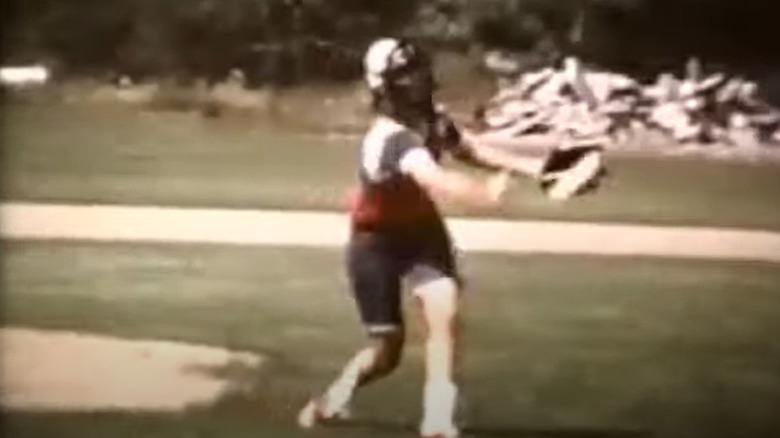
388,195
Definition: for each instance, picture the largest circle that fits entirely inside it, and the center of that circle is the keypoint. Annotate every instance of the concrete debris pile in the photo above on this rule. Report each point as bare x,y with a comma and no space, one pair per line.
602,108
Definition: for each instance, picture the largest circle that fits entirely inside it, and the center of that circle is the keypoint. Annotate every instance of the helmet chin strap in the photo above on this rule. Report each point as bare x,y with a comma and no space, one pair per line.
427,108
413,113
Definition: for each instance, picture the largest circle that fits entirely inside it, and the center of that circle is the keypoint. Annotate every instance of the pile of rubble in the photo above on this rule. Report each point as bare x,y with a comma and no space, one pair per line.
606,109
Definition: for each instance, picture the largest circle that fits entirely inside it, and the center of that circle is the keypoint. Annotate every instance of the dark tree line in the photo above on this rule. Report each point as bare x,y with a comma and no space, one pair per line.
299,40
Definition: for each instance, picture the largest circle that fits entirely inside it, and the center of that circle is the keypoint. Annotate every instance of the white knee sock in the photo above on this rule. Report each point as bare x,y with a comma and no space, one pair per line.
339,394
439,402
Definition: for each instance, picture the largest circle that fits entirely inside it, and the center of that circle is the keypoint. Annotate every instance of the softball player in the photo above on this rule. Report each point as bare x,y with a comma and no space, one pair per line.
398,236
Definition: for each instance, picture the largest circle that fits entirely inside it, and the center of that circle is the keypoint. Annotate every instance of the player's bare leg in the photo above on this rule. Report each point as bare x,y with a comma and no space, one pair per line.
439,302
377,360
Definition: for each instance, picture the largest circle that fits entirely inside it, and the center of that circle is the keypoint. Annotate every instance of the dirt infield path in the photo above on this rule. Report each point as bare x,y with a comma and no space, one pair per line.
287,228
66,371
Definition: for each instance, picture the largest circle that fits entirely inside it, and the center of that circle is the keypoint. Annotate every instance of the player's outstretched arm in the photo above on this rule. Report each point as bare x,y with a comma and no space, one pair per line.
477,153
561,173
451,184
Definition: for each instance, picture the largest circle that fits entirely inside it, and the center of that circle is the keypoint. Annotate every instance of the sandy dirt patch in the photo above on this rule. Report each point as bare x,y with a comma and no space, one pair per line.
66,371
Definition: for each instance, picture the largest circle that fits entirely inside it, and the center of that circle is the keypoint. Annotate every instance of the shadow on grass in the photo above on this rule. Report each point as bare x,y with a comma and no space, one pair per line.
401,427
271,396
275,397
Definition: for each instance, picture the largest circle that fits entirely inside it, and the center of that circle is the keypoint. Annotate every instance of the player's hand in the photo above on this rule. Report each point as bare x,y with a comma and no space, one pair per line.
498,185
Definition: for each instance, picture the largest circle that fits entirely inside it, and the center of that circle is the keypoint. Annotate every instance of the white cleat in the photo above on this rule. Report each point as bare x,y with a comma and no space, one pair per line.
441,432
314,414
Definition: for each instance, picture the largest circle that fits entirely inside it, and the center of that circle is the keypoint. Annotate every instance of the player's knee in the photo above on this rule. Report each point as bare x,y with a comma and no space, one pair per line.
388,353
388,361
440,303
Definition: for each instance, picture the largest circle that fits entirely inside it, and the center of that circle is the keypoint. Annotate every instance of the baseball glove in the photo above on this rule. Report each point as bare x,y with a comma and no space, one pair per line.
572,172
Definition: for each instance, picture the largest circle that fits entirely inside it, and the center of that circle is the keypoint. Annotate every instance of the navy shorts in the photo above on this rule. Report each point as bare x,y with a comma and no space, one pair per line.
377,262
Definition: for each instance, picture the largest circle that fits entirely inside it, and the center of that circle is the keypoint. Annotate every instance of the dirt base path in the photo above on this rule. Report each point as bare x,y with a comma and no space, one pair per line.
64,371
257,227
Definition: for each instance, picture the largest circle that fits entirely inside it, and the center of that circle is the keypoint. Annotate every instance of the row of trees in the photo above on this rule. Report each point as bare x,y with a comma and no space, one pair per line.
298,40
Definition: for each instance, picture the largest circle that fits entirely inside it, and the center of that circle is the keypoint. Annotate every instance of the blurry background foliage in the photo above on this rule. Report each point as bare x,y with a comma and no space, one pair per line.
298,41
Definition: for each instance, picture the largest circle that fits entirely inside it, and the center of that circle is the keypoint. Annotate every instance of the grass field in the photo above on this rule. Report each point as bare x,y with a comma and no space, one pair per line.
105,153
557,346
